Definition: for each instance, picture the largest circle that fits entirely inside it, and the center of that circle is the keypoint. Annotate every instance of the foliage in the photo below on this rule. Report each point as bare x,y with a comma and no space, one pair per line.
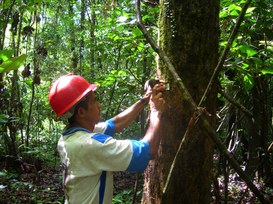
29,191
251,52
100,42
41,40
124,197
247,79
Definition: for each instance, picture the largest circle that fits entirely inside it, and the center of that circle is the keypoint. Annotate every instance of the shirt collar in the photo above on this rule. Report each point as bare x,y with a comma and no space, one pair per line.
75,129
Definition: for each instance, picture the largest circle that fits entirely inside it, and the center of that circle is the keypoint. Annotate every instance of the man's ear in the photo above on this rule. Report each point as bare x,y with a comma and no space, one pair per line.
81,111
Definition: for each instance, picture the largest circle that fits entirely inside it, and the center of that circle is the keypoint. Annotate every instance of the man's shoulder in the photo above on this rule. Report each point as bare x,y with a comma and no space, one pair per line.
102,138
107,127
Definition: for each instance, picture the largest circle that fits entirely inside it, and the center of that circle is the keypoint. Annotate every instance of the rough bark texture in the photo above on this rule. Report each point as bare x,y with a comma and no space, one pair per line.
189,36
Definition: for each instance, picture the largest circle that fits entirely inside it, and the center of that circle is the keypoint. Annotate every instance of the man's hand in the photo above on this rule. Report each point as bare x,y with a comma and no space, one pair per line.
148,87
157,106
157,102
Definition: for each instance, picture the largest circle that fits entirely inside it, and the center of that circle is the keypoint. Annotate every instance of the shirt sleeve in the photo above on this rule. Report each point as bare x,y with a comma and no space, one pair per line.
107,127
141,156
121,155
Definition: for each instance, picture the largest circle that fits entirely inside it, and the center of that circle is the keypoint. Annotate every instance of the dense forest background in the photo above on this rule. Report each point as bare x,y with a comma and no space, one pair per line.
41,40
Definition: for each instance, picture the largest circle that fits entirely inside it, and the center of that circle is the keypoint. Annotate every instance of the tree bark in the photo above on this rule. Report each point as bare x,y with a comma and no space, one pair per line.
260,129
189,37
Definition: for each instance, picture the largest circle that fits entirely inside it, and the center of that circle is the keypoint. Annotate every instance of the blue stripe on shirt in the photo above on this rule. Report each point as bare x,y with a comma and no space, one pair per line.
102,186
101,137
110,127
141,156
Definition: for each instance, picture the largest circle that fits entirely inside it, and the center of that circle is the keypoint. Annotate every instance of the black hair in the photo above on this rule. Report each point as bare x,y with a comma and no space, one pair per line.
83,103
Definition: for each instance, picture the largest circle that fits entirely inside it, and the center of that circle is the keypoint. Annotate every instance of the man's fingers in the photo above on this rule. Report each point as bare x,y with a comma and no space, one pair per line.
159,87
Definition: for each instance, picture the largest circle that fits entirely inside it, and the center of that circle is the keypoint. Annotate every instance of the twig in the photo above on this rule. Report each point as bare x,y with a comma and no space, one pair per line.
194,119
226,50
135,188
203,120
235,103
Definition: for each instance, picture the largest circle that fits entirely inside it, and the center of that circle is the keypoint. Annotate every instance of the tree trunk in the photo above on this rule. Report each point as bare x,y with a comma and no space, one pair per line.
74,55
92,22
189,37
258,135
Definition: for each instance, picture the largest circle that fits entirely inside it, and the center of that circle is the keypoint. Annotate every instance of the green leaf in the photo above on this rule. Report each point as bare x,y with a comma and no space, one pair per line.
12,63
121,73
4,118
245,65
29,82
234,13
248,82
6,54
136,32
267,71
233,7
223,14
140,46
250,10
247,50
120,28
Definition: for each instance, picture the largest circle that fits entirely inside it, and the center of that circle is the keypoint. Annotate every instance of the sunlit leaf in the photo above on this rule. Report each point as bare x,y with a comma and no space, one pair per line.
223,14
140,46
29,82
233,7
245,65
248,82
116,38
6,54
247,50
122,19
250,10
267,71
121,73
12,63
120,28
136,32
234,13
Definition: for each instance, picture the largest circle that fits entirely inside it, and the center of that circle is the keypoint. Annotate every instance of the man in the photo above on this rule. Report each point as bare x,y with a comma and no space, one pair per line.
88,151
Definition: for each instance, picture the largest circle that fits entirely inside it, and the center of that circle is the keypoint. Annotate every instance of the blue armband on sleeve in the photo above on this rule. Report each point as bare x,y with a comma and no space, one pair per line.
110,127
141,156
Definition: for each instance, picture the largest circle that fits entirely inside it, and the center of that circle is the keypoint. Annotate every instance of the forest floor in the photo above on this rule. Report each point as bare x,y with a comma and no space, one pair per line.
45,187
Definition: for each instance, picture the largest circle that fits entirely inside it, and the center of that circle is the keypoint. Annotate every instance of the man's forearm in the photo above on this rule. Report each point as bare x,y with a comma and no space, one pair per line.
126,117
153,133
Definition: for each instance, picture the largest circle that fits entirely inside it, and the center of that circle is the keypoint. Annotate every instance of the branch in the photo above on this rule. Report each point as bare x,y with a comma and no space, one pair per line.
203,120
226,50
235,103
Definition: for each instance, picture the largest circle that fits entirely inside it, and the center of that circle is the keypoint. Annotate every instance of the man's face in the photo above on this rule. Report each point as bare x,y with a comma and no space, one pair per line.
93,110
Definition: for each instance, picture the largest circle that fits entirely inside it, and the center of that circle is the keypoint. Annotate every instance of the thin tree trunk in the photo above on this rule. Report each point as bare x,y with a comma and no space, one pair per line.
82,29
92,22
258,136
74,56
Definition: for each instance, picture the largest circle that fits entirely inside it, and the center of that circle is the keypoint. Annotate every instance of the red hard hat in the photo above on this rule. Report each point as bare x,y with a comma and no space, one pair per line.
67,91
